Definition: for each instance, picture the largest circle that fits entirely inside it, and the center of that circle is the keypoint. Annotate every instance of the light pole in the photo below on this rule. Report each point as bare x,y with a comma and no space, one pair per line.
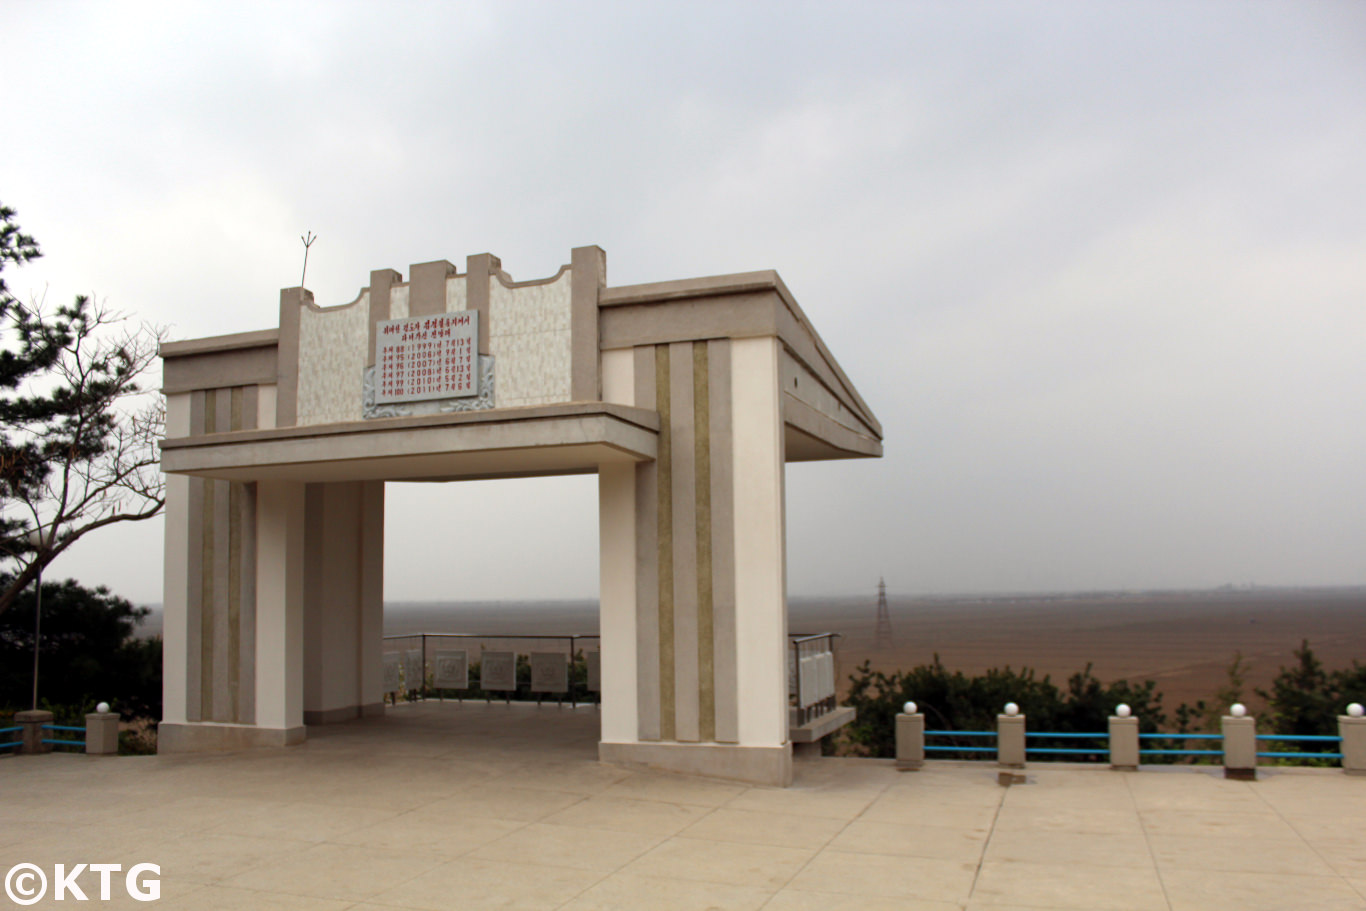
35,538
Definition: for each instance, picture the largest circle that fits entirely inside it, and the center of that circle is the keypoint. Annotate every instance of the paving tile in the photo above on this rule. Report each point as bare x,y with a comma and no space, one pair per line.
336,871
1237,855
1215,823
831,804
432,831
1083,848
475,885
1100,820
779,829
629,892
210,858
1064,886
624,814
527,804
940,842
761,866
1210,890
880,875
790,900
701,792
569,846
228,898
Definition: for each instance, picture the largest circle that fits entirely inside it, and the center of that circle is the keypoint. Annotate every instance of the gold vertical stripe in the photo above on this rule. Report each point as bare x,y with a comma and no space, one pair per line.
706,662
665,544
206,631
234,598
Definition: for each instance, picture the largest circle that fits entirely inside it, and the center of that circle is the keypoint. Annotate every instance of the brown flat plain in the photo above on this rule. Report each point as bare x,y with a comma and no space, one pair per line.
1185,641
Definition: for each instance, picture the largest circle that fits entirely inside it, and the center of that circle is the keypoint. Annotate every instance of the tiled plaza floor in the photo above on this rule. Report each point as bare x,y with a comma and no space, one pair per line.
470,806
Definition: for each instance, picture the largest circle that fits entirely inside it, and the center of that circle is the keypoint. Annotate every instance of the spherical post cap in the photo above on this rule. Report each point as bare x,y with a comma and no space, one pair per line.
1355,710
1012,709
909,708
102,708
1123,710
1237,710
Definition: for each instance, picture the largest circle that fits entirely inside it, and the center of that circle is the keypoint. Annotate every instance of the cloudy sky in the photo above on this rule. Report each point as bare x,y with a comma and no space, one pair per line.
1099,268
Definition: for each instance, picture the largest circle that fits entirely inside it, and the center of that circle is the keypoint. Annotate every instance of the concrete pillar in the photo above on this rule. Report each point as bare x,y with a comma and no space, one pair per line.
32,722
1240,747
1352,729
1124,743
343,600
617,611
910,741
280,610
102,733
1010,741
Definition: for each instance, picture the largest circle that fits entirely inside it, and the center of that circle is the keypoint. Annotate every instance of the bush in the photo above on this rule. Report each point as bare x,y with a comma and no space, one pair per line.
88,652
954,701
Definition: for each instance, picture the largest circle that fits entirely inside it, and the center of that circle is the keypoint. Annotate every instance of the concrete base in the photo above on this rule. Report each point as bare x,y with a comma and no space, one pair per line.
211,737
823,726
808,750
754,765
1240,774
345,713
102,733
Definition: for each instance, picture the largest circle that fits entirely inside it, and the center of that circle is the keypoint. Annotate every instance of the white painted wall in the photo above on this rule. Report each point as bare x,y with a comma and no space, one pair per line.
617,611
279,604
760,547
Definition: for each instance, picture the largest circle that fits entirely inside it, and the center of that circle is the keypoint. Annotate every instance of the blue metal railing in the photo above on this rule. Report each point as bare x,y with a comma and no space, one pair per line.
953,749
65,743
1299,738
1068,751
1165,752
12,743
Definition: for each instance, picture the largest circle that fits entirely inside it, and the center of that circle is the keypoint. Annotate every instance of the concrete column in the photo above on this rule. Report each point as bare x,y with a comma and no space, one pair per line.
280,609
1124,743
1010,741
178,666
910,741
371,598
1352,729
760,542
32,721
102,733
617,613
1240,747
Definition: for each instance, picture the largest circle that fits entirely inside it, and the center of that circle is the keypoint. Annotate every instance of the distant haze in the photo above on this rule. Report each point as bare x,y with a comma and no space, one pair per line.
1096,267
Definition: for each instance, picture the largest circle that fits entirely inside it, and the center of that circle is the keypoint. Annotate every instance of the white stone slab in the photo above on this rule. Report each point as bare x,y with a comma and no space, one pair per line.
594,661
452,670
412,669
392,679
549,672
498,671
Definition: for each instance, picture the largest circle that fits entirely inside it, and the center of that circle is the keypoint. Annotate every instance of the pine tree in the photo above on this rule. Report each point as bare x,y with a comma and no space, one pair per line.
76,453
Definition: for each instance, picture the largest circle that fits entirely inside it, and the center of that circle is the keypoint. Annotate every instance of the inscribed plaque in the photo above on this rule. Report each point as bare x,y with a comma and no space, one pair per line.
427,357
452,671
498,671
549,672
594,661
392,682
412,669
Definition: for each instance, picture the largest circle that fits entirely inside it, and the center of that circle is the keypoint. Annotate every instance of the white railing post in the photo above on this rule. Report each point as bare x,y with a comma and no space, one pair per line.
1123,740
910,739
1010,738
1352,729
1240,744
102,731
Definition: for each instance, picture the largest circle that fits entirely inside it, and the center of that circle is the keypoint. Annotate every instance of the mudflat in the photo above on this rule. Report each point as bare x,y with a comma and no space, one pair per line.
1183,640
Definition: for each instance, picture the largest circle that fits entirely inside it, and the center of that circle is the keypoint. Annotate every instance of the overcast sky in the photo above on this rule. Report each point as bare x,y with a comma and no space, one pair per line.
1098,268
